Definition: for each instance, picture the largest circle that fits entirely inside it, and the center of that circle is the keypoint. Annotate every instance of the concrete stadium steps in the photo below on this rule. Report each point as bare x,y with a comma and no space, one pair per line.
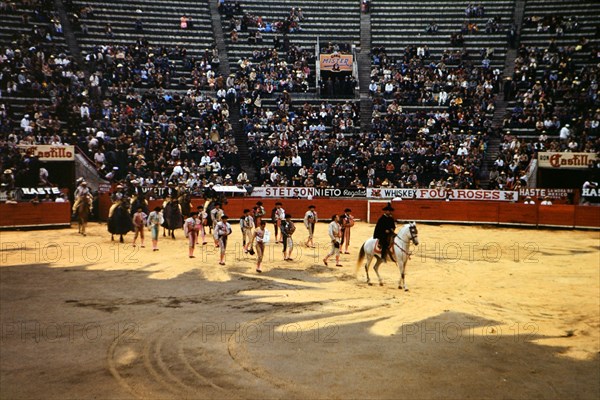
396,25
160,27
582,8
586,12
12,25
20,105
10,29
322,19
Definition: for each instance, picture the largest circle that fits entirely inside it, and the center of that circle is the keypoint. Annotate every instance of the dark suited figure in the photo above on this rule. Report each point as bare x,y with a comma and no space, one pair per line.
385,228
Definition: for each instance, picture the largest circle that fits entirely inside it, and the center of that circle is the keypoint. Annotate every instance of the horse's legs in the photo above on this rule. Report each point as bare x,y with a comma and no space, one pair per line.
369,258
83,225
376,268
164,231
402,283
112,238
173,233
121,239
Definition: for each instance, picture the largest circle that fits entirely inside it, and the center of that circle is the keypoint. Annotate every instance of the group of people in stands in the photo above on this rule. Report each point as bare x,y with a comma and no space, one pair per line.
267,70
555,101
125,131
446,138
157,136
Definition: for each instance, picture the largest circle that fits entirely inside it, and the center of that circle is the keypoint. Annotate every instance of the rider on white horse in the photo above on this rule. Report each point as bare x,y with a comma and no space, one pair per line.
385,228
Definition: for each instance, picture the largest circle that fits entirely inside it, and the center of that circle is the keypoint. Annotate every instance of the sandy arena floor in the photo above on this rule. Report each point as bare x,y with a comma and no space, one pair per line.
491,313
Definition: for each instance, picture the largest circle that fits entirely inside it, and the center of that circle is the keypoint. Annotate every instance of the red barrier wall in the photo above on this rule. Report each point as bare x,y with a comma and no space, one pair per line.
431,210
30,214
421,210
522,214
297,207
557,214
586,216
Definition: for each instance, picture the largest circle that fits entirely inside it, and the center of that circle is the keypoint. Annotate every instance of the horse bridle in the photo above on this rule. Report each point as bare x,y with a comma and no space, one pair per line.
412,229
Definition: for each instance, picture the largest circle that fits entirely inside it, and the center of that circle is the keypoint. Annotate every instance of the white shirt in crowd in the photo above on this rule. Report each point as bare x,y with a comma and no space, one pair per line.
296,161
564,132
205,160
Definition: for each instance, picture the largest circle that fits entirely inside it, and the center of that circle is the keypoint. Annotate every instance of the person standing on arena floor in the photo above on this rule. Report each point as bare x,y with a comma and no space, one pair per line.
310,219
335,234
222,232
139,222
155,220
261,237
191,228
203,219
385,228
246,225
278,216
287,230
215,215
347,223
259,214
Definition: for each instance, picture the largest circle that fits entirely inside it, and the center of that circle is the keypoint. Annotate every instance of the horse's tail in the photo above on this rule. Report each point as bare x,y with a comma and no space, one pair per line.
361,257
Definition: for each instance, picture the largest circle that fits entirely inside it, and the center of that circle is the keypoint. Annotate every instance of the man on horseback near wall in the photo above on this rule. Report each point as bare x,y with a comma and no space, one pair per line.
81,192
385,230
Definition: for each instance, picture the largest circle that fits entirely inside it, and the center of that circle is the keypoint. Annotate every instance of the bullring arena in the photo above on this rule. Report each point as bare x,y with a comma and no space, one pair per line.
474,125
491,312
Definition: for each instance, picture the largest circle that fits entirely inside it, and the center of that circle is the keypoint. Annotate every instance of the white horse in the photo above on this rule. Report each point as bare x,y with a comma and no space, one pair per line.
401,244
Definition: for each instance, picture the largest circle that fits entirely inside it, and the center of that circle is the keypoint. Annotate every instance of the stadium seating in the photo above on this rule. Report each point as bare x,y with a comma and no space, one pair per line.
149,93
160,23
325,21
27,30
555,85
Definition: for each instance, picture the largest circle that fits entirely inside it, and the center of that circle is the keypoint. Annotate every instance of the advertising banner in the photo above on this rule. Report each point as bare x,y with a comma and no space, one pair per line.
336,62
441,194
555,160
306,192
46,152
555,194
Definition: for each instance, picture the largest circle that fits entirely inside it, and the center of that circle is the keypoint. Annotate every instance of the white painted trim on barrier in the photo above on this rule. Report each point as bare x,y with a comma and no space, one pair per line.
435,221
450,221
32,226
587,227
556,226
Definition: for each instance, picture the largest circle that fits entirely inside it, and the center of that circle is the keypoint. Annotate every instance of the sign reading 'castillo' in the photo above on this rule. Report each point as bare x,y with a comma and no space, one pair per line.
549,159
46,152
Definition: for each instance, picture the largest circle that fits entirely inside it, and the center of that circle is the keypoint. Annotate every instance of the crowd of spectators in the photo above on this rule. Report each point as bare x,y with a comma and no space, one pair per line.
554,90
154,135
33,64
430,122
306,145
139,65
267,71
267,68
445,139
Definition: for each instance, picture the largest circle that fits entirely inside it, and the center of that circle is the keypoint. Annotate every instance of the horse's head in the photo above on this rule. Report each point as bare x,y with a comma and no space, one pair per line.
414,233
